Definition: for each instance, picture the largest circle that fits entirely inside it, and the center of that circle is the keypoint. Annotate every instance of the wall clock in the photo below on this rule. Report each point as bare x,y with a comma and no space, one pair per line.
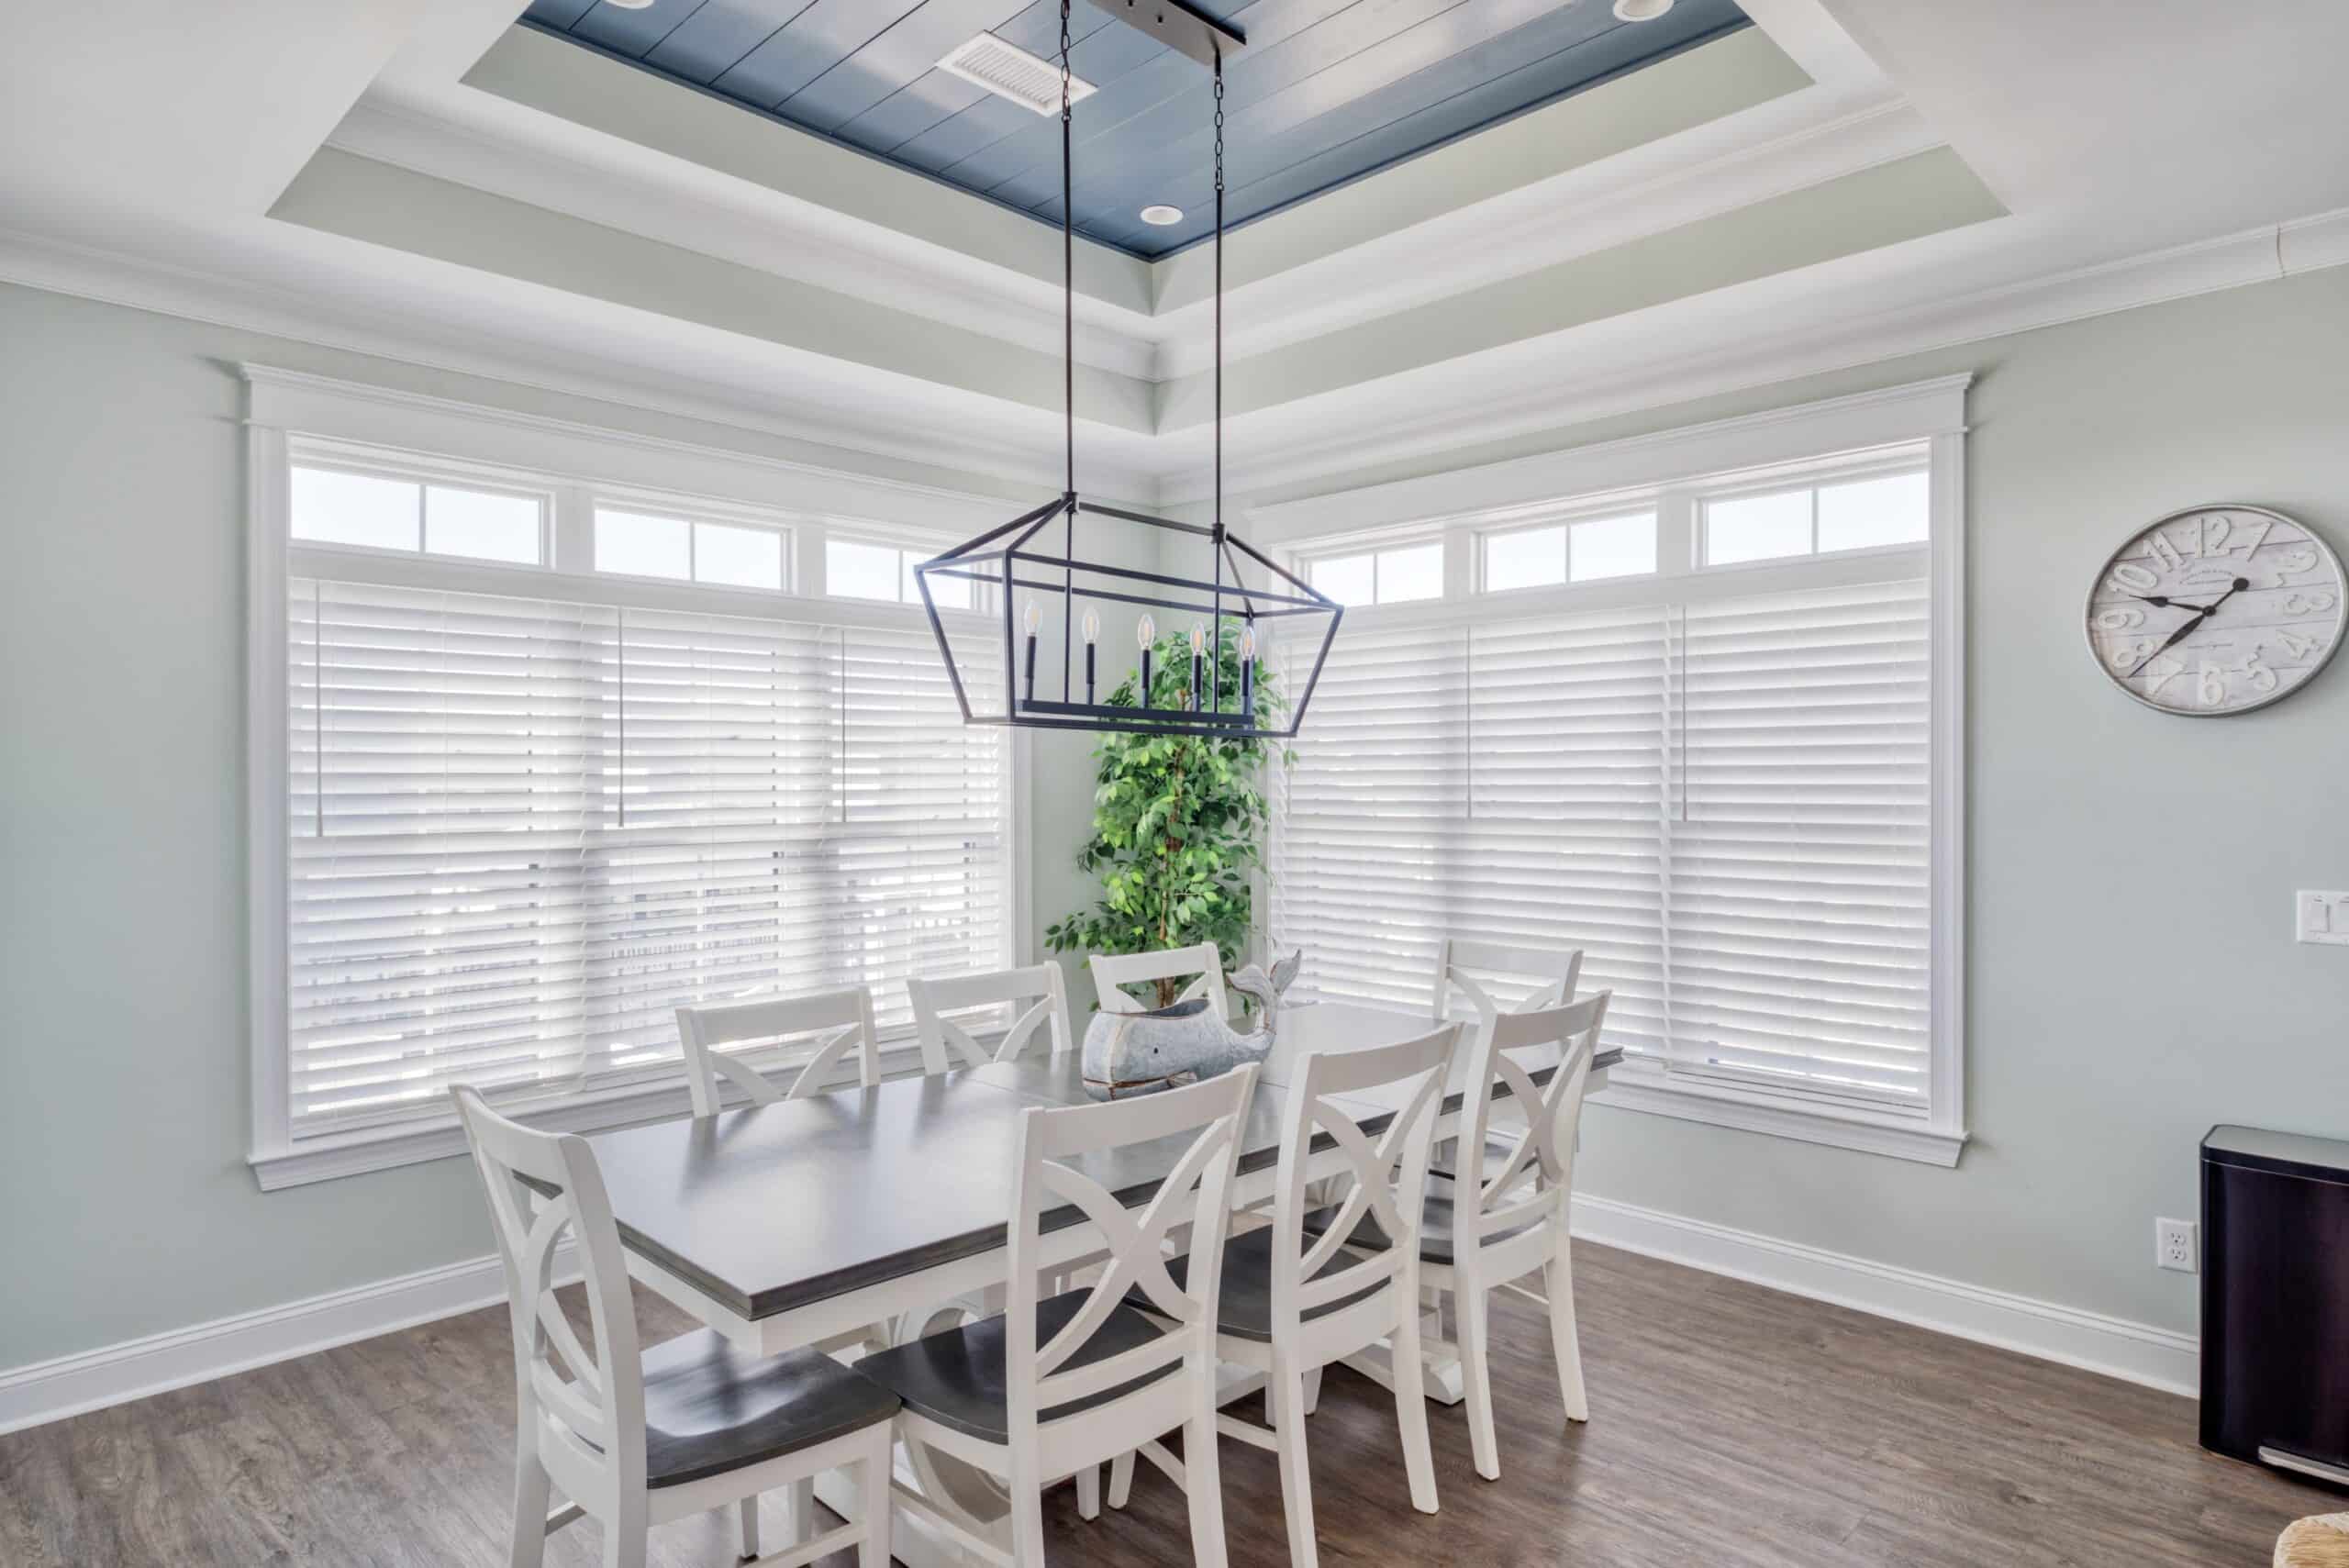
2217,610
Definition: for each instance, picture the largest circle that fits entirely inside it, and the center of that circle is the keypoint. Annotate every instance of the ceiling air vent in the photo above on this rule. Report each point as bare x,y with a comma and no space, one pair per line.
1009,72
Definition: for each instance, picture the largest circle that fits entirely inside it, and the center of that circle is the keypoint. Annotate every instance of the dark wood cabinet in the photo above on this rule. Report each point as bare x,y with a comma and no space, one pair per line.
2276,1300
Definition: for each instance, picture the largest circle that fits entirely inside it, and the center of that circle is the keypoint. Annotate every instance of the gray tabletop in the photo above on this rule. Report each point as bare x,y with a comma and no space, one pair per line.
773,1208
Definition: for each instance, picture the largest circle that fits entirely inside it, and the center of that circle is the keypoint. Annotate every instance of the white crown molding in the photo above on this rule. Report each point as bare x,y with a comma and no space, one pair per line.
1663,357
156,1363
2094,1342
963,439
737,222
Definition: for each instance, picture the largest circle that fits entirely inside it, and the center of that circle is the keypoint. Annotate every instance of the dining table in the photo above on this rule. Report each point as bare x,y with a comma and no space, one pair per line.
865,1214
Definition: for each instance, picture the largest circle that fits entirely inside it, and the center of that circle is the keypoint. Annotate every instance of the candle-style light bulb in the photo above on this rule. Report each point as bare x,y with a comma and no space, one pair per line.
1198,671
1145,633
1035,618
1248,668
1092,628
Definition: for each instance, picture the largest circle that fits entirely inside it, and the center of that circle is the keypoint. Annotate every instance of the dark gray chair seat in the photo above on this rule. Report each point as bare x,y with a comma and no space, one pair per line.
956,1377
1435,1228
710,1408
1244,1298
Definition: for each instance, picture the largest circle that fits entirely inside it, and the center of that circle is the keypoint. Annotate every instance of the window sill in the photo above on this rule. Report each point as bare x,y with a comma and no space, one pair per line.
1900,1138
330,1156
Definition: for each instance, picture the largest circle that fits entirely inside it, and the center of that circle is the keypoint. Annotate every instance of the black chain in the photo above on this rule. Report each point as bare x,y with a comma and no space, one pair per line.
1219,294
1068,272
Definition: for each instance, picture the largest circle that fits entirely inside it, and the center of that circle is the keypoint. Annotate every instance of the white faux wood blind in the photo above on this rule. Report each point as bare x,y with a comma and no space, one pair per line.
1502,780
1801,850
522,832
1726,804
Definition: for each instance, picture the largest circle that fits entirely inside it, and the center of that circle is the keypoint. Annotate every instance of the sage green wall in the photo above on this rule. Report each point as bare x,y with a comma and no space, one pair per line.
125,1205
2134,976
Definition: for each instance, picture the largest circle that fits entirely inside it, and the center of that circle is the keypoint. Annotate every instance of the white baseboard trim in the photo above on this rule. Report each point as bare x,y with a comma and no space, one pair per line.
2139,1352
114,1374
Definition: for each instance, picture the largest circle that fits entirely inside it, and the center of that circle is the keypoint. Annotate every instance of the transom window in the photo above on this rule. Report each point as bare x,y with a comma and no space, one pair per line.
1390,576
1868,513
1587,550
861,569
647,544
382,511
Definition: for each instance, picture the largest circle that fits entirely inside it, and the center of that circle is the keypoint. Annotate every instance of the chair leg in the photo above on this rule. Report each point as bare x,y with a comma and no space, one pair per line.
532,1493
1287,1390
746,1527
1468,1304
1411,1410
626,1543
1312,1390
801,1524
1558,1283
1089,1492
1027,1518
880,1508
1203,1478
1121,1479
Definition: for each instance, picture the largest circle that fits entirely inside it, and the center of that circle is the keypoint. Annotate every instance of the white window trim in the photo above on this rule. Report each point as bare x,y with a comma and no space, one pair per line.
1466,503
480,444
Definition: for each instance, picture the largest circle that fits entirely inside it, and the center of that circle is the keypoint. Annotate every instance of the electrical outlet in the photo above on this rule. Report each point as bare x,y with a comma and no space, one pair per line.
2320,916
2175,1245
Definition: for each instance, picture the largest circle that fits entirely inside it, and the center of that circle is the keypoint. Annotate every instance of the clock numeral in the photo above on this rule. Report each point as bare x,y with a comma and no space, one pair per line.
2161,673
2210,684
2255,670
2215,530
2299,646
2298,604
2131,578
2128,655
2250,546
2128,617
2171,557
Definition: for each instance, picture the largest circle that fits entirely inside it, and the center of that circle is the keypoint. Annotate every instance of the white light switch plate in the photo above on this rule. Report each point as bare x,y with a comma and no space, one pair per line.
2321,918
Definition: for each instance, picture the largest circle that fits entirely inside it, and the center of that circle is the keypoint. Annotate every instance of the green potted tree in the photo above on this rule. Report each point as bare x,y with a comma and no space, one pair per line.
1177,825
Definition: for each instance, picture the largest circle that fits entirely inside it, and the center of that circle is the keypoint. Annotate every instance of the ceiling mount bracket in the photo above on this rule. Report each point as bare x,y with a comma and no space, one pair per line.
1180,26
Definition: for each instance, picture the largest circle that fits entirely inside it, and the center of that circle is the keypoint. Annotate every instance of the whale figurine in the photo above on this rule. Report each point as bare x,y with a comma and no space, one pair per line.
1129,1053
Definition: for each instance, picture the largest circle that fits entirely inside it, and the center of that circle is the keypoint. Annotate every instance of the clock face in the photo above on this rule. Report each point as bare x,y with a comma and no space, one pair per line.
2217,610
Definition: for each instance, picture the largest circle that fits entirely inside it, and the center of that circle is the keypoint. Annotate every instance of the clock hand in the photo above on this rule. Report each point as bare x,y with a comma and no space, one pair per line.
2193,621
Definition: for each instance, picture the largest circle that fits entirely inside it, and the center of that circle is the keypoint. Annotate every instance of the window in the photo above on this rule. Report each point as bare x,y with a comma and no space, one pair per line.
1381,576
1852,513
530,802
855,569
640,544
1722,786
1583,552
332,505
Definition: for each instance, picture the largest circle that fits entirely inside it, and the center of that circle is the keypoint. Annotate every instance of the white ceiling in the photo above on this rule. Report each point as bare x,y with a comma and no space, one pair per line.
2137,150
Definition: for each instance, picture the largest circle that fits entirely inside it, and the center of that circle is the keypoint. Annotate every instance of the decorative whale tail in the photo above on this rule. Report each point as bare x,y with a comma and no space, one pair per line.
1266,990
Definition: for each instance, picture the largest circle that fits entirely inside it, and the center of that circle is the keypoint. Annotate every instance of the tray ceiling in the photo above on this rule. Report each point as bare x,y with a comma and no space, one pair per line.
1325,92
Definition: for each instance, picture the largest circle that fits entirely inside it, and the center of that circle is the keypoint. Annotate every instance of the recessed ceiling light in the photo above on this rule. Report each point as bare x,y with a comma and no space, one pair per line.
1641,10
1162,215
630,4
1009,72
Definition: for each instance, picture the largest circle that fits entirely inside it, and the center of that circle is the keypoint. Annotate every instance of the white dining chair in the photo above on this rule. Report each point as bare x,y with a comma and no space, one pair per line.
1292,1301
946,1044
1113,970
847,1012
1469,970
1042,1390
1482,1236
634,1438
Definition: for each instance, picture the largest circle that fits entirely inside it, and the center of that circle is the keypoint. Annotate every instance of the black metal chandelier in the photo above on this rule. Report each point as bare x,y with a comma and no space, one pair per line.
1017,562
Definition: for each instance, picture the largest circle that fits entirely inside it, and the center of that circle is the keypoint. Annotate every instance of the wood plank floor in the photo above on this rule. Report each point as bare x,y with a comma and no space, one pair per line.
1732,1425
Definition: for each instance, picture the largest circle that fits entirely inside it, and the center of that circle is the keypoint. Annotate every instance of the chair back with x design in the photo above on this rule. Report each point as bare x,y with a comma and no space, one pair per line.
847,1013
946,1044
1535,1181
1054,1143
582,1410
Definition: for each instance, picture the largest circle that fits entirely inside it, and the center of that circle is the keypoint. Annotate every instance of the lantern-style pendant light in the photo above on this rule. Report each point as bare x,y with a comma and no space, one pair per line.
1031,582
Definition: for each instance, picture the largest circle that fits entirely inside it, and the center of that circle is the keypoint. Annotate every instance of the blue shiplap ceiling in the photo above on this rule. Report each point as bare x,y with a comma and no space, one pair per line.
1326,90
